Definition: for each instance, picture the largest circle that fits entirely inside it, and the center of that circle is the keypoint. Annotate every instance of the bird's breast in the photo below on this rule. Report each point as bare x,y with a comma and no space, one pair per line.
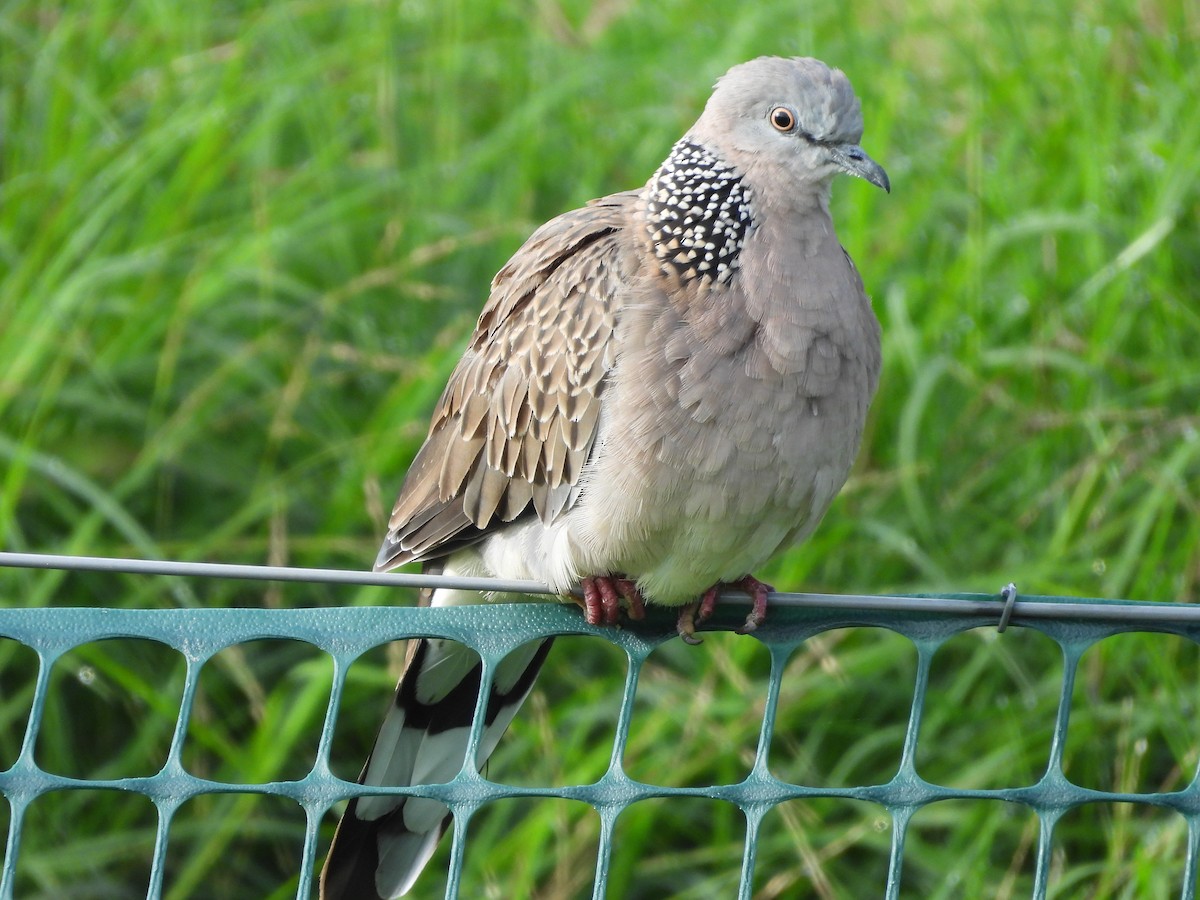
724,437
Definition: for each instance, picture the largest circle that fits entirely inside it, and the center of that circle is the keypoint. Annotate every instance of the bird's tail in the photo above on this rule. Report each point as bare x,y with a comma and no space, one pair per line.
383,842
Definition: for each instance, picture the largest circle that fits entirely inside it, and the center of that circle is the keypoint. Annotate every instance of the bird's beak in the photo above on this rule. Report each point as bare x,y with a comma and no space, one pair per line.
853,160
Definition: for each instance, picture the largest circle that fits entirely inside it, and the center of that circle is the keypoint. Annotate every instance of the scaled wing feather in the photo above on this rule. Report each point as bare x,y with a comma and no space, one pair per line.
519,417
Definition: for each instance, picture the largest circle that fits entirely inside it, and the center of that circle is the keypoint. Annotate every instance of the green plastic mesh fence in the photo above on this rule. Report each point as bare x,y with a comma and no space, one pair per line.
346,633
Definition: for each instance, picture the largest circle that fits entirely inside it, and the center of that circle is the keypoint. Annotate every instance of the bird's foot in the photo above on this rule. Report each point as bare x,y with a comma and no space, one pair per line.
635,605
686,626
758,591
602,596
698,611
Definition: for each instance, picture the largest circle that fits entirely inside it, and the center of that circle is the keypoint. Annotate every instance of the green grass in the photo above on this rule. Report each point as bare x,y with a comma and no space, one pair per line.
241,247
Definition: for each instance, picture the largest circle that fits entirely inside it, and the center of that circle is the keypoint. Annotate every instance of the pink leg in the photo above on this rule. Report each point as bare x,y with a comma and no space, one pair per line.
607,598
696,612
708,602
635,605
602,596
589,602
758,593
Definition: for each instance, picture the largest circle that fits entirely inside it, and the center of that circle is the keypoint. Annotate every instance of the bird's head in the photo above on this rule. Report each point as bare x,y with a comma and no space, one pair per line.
797,117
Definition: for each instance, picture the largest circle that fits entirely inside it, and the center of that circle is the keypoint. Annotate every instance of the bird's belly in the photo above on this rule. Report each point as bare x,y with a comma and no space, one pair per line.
680,504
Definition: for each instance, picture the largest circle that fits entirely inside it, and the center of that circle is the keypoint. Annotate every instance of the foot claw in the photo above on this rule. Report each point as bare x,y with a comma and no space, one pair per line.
701,609
602,595
686,626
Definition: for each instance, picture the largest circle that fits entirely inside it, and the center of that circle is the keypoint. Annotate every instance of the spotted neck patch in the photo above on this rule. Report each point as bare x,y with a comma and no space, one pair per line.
698,214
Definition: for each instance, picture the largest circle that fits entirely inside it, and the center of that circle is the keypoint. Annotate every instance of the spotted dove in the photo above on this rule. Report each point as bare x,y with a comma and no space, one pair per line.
665,388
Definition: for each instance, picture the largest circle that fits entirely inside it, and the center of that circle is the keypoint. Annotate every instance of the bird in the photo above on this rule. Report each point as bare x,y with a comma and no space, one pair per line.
665,387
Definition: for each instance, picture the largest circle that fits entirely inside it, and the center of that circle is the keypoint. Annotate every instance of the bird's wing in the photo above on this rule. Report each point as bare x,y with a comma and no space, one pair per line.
520,413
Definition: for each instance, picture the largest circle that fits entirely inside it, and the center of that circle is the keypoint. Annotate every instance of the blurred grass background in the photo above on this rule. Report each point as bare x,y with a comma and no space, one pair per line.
242,245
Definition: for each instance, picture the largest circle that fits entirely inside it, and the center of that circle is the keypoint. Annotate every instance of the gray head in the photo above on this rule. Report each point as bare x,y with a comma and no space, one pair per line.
795,114
775,131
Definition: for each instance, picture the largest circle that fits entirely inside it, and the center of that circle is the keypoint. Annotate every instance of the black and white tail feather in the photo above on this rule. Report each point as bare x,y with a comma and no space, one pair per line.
383,842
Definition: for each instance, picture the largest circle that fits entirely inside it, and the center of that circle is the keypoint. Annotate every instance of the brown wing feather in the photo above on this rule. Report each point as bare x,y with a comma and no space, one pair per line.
518,418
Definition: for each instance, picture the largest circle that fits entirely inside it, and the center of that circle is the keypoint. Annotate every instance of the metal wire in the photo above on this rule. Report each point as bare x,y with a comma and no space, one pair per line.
972,605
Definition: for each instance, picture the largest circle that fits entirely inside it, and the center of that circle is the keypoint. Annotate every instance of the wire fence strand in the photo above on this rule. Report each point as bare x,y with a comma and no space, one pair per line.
971,605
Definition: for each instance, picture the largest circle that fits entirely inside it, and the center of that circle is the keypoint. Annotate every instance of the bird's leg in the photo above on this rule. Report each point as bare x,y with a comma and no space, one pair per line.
602,595
601,602
701,609
708,602
758,594
686,625
635,605
697,612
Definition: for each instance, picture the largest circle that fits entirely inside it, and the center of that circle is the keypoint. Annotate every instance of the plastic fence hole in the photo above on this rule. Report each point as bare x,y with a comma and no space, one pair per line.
685,695
234,845
681,847
101,840
368,695
258,712
564,732
1118,739
5,819
531,847
18,676
843,708
111,709
823,847
962,848
979,679
1119,850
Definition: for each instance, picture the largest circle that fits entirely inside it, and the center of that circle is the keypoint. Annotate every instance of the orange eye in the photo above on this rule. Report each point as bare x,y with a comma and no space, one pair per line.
783,118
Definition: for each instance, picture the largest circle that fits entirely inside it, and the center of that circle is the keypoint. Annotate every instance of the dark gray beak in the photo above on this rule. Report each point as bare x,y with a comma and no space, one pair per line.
853,160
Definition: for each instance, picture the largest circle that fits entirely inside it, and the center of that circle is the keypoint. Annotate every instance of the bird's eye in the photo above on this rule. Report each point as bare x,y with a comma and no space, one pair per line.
783,118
